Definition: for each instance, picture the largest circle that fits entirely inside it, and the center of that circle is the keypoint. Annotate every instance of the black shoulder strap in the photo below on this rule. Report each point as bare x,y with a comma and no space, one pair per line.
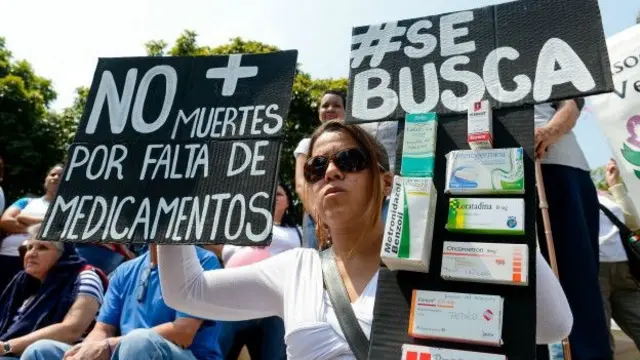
339,297
299,234
624,229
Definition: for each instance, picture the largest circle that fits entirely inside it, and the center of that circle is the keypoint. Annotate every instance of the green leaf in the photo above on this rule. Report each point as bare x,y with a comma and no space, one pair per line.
633,157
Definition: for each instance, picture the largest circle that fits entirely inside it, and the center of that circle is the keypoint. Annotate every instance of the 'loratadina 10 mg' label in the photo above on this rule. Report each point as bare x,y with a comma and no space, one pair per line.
419,145
470,318
490,171
485,262
409,228
480,125
486,216
417,352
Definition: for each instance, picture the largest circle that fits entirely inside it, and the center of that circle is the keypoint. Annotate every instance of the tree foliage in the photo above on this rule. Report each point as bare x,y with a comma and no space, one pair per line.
29,136
303,114
32,138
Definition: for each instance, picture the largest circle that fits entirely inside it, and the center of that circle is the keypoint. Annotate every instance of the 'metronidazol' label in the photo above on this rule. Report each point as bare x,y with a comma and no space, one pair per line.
486,216
485,262
470,318
417,352
409,228
490,171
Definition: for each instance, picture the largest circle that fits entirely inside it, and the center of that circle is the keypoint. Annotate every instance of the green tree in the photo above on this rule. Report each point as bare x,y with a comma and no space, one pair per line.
302,117
28,135
303,114
65,123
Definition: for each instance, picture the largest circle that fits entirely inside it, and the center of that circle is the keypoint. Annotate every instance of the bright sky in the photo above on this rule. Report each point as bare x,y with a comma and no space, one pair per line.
64,38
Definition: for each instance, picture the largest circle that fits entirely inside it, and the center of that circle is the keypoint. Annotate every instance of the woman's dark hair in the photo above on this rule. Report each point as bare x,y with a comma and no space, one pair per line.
60,165
379,163
335,92
288,218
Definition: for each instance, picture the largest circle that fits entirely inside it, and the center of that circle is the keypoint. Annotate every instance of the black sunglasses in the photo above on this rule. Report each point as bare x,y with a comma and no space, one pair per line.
347,160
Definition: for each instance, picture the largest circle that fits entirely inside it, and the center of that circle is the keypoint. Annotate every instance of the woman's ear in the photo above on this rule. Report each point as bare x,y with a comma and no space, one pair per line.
387,183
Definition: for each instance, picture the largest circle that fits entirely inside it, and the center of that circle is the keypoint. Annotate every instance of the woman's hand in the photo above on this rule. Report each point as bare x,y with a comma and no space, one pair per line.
612,174
545,136
93,350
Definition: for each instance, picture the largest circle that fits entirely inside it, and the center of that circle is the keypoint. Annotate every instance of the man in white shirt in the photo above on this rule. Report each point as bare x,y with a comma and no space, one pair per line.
574,214
620,289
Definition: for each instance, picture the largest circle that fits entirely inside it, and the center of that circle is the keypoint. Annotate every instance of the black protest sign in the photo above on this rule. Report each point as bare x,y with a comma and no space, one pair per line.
515,55
176,149
523,52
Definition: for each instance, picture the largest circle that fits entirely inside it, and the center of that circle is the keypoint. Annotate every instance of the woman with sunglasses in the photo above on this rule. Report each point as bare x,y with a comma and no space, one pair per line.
346,175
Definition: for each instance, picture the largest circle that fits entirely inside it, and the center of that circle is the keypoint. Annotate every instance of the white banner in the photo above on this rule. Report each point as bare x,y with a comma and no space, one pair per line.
618,113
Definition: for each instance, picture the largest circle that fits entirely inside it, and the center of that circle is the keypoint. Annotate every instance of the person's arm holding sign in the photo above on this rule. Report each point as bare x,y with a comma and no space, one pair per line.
620,195
242,293
562,122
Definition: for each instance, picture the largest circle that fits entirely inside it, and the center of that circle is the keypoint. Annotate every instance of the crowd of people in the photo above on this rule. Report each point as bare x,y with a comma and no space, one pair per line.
108,301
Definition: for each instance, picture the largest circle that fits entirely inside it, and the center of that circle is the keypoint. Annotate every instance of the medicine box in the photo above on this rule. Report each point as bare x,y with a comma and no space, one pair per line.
467,318
417,352
419,145
480,125
485,262
497,216
408,231
490,171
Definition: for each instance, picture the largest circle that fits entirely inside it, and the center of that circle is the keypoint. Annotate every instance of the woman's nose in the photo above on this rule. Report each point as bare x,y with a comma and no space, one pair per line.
333,172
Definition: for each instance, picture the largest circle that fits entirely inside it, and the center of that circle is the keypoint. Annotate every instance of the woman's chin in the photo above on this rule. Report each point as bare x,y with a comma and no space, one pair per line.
337,217
32,271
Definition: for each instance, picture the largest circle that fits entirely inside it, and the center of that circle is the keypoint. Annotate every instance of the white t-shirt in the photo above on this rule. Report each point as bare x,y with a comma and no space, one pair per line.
302,148
566,151
283,239
290,286
37,208
611,249
617,200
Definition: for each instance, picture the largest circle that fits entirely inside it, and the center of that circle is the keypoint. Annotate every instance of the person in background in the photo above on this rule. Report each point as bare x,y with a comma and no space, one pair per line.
332,107
106,257
620,290
55,297
2,200
348,176
135,323
574,215
264,337
17,218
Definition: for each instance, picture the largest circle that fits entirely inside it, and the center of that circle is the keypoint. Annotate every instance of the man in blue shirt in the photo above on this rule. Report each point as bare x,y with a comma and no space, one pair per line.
135,323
